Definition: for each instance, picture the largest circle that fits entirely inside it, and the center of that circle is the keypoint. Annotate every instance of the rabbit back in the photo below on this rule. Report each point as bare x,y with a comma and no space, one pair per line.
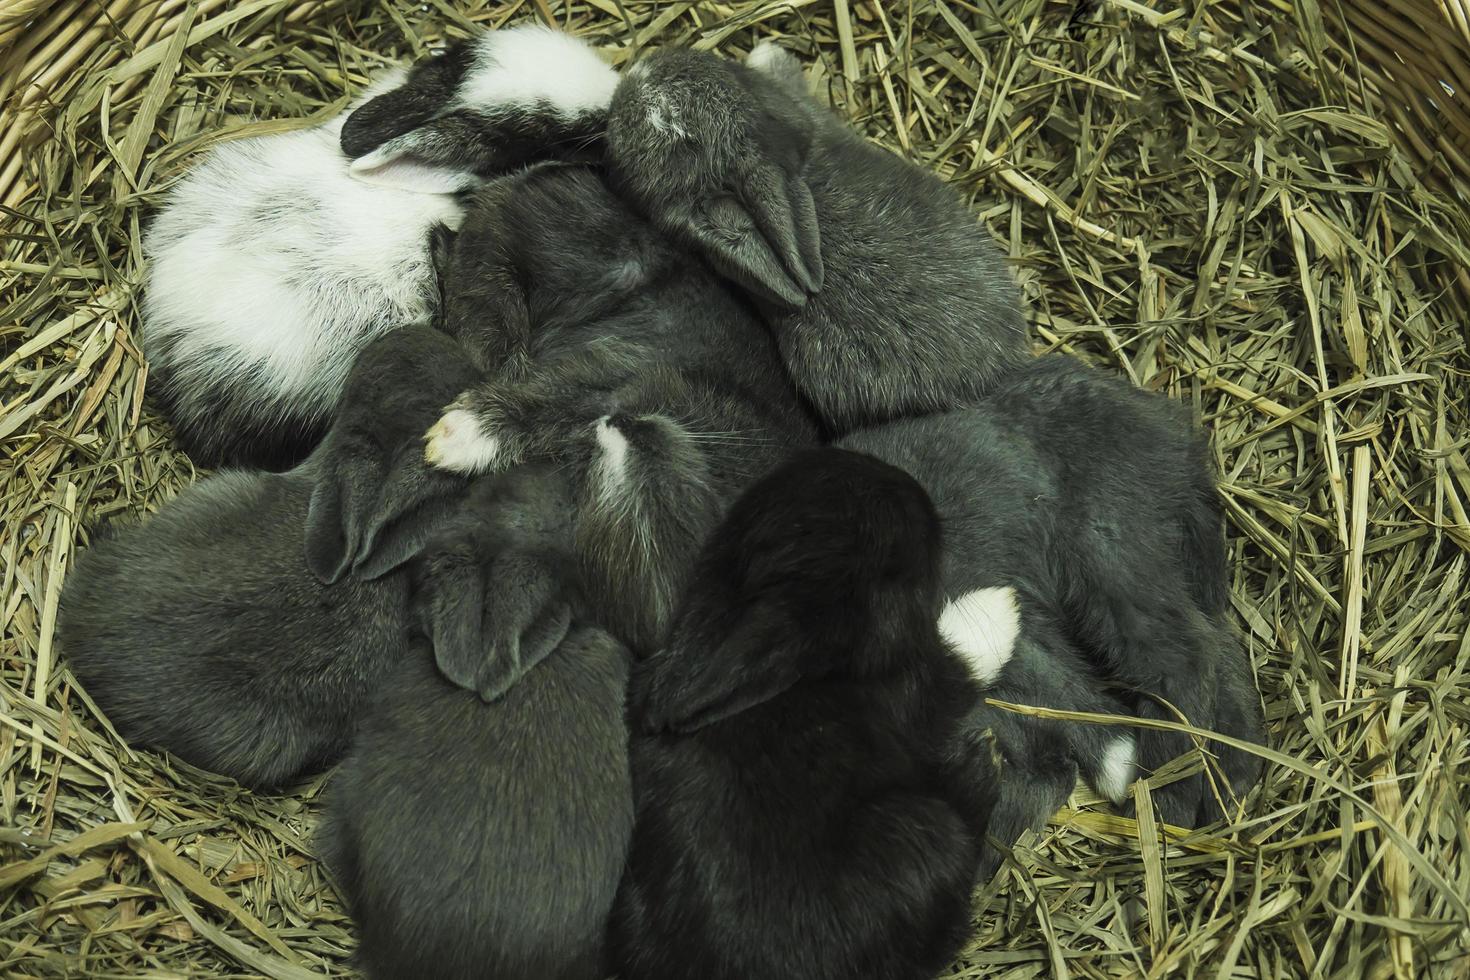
270,267
202,632
476,839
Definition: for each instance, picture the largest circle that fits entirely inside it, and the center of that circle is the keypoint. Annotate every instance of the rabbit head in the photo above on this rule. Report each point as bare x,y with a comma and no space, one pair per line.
484,106
827,567
375,501
755,137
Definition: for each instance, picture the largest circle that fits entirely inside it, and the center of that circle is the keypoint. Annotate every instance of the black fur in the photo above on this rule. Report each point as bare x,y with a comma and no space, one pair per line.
806,804
885,295
1097,502
204,631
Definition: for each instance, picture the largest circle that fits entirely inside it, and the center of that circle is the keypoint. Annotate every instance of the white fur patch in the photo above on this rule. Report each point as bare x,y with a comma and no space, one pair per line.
613,463
458,444
763,55
535,65
1119,764
983,625
270,267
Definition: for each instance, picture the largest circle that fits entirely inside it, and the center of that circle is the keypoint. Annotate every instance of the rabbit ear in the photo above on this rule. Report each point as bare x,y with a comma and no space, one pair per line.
765,238
427,91
368,523
490,623
690,689
442,156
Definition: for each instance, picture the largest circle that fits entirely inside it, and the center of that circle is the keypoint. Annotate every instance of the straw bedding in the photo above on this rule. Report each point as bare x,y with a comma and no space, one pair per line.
1211,201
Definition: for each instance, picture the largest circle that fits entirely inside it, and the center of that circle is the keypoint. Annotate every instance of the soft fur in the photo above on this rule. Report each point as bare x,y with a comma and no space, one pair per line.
807,806
272,262
205,632
486,840
885,295
1096,502
617,354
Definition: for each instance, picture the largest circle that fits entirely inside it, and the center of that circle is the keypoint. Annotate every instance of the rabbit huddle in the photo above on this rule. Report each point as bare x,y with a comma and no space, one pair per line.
666,489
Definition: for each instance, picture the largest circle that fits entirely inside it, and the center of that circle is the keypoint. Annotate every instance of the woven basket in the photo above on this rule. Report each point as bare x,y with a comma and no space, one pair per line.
1408,63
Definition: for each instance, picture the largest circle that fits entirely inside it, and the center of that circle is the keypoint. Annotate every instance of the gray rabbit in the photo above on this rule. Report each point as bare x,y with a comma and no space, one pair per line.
885,295
1095,504
486,836
615,352
205,631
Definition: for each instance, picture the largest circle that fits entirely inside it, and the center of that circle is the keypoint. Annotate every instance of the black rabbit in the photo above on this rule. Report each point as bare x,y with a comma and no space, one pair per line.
807,805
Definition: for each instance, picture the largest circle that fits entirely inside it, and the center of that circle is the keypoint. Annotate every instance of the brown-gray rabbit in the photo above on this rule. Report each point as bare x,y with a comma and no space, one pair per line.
886,296
480,836
1081,514
276,258
807,802
204,630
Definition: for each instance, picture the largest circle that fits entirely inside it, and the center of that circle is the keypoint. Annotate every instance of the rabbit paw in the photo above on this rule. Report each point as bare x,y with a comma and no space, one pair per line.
716,153
459,443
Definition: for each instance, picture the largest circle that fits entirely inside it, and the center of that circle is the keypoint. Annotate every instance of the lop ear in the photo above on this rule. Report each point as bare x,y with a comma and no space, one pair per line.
764,236
442,156
491,622
684,689
368,523
428,91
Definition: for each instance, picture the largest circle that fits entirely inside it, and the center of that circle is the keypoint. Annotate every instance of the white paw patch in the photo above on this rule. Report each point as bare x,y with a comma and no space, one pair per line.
982,626
533,66
613,461
1119,765
456,443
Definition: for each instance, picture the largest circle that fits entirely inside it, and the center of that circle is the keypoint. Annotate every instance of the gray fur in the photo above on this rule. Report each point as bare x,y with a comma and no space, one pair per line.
487,840
1096,501
204,631
583,312
885,295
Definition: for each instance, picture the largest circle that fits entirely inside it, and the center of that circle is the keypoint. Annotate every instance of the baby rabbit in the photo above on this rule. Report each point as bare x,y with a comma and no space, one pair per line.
273,261
476,839
1095,504
616,353
885,295
806,805
205,632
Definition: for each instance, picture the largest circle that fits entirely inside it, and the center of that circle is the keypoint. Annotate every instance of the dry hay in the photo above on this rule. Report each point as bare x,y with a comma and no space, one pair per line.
1186,203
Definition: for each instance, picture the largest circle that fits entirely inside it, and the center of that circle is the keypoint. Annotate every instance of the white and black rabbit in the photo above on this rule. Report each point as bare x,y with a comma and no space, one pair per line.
615,351
1094,503
204,631
477,838
887,298
807,805
276,258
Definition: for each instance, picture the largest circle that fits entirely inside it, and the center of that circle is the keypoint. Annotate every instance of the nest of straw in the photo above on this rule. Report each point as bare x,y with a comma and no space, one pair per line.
1186,202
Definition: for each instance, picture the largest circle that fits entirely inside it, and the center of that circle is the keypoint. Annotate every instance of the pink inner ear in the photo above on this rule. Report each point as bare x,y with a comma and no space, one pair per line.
387,167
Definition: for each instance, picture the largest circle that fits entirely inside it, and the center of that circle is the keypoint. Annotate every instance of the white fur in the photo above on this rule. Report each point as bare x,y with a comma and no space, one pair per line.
612,464
270,267
535,64
982,626
458,444
1119,764
763,55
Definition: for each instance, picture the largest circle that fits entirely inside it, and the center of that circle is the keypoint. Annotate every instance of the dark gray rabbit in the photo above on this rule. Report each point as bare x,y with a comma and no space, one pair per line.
807,805
615,352
205,632
486,838
885,295
1096,504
